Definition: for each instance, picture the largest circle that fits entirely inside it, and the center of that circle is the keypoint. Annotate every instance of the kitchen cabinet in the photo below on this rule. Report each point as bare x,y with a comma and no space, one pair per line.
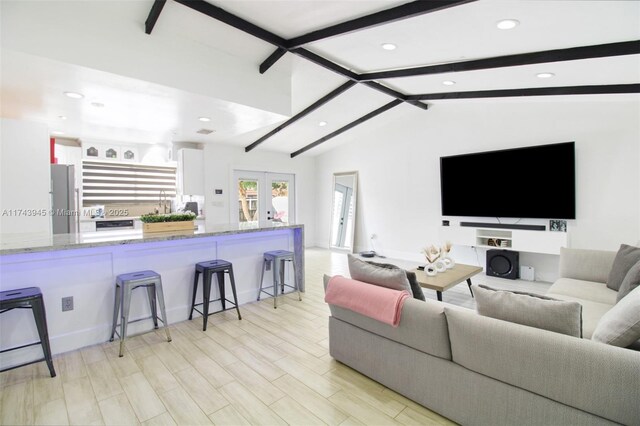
190,179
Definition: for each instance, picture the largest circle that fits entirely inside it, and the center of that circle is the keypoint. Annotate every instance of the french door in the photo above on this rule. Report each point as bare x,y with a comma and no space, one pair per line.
262,199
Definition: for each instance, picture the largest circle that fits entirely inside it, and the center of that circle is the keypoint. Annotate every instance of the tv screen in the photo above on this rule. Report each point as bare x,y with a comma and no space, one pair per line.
531,182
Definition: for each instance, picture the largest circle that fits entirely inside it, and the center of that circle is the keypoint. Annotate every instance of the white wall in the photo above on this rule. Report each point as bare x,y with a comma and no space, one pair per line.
398,163
25,177
109,36
219,163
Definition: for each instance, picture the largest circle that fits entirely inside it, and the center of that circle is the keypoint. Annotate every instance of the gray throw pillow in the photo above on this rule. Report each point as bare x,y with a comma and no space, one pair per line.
394,278
411,277
620,326
630,282
530,309
627,257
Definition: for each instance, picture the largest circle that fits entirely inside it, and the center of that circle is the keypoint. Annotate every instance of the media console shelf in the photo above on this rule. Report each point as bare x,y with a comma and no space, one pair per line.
519,240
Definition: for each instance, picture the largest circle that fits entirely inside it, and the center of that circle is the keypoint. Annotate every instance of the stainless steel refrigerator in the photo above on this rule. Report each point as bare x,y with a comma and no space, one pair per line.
65,201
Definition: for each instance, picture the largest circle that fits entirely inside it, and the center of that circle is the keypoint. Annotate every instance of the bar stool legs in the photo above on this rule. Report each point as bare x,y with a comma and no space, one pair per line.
207,269
29,298
125,284
276,259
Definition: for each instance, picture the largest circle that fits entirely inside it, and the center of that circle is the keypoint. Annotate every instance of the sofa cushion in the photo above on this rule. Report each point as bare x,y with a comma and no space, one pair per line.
416,290
530,309
621,325
422,325
393,278
586,290
591,312
588,265
599,379
626,257
630,282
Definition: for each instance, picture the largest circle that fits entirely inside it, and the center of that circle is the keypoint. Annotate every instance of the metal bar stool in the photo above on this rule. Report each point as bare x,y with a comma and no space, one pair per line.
125,284
208,268
278,259
29,298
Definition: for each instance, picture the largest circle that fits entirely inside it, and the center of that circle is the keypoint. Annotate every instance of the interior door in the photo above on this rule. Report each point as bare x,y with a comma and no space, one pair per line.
263,199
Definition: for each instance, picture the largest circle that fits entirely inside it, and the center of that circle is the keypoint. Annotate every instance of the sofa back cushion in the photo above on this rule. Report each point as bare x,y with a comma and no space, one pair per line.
587,265
555,315
422,325
599,379
630,282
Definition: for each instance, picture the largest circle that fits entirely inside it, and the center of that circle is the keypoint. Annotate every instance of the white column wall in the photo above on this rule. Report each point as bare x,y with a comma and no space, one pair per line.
25,177
397,158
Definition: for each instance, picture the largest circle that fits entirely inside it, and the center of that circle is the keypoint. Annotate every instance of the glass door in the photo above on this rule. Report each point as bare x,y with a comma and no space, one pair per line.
263,199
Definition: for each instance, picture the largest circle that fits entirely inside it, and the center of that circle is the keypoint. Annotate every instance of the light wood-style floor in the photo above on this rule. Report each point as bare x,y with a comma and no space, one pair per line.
271,368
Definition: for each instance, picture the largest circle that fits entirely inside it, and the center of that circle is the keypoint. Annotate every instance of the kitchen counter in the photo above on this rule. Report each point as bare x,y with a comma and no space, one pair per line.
85,266
32,243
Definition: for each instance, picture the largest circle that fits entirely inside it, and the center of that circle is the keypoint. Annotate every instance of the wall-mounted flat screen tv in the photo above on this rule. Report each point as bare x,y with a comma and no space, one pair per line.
531,182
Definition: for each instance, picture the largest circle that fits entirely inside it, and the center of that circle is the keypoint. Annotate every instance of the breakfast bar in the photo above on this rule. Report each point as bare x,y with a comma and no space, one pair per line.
84,266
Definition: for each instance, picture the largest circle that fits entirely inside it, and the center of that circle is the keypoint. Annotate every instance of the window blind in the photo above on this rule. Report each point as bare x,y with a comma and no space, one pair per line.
118,183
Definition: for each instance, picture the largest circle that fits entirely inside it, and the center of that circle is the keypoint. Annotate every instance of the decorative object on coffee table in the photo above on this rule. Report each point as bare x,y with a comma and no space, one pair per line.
446,258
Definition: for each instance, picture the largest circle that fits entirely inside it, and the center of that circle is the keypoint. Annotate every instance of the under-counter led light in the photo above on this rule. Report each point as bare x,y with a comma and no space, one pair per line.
204,119
322,123
448,82
507,24
545,75
74,95
389,46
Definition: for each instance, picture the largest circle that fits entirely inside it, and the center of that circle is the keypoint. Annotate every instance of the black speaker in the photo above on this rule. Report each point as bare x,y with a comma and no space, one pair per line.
503,264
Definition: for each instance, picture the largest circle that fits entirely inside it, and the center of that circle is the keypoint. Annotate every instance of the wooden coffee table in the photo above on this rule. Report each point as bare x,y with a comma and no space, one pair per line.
445,280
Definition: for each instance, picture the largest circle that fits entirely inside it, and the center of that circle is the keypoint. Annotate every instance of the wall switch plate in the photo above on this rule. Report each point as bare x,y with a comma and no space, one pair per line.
67,304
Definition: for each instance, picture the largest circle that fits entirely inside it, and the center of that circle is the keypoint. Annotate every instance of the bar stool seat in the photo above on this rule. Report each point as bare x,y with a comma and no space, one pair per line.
125,284
277,259
208,268
29,298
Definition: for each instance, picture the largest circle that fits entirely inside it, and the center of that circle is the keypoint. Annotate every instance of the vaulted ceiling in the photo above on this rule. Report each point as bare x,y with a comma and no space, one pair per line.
456,35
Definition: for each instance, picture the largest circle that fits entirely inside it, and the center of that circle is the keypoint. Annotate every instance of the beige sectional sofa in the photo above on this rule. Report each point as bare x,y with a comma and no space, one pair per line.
479,370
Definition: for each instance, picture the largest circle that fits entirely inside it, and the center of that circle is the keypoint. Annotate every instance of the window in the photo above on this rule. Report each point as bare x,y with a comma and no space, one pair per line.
116,183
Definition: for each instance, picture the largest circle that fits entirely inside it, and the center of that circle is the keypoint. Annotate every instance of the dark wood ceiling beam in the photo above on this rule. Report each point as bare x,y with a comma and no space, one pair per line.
272,59
317,104
535,91
154,14
404,11
557,55
222,15
351,125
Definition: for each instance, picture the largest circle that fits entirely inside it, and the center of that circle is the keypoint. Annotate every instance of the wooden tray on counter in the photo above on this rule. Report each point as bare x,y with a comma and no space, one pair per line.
150,228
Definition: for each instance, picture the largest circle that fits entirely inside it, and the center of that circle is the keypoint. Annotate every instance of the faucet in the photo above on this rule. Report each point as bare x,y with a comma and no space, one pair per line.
163,203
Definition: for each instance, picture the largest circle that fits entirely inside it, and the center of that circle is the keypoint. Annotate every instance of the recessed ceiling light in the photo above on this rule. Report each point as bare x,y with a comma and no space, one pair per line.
74,95
389,46
62,117
507,24
448,82
97,104
57,132
322,123
204,119
545,75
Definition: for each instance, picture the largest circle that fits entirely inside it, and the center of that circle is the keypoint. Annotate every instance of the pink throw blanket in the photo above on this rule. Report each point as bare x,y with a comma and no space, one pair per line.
380,303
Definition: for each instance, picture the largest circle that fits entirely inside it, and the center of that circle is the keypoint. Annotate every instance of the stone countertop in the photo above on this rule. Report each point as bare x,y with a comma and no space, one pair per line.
94,219
32,243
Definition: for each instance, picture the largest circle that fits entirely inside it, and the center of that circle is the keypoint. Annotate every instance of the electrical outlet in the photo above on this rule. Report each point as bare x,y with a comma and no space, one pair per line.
67,304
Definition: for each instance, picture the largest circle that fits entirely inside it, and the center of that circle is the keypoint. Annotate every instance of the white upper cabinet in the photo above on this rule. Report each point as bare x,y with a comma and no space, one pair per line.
190,177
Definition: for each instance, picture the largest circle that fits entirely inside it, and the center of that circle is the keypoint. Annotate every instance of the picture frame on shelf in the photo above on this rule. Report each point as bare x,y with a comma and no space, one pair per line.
556,225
